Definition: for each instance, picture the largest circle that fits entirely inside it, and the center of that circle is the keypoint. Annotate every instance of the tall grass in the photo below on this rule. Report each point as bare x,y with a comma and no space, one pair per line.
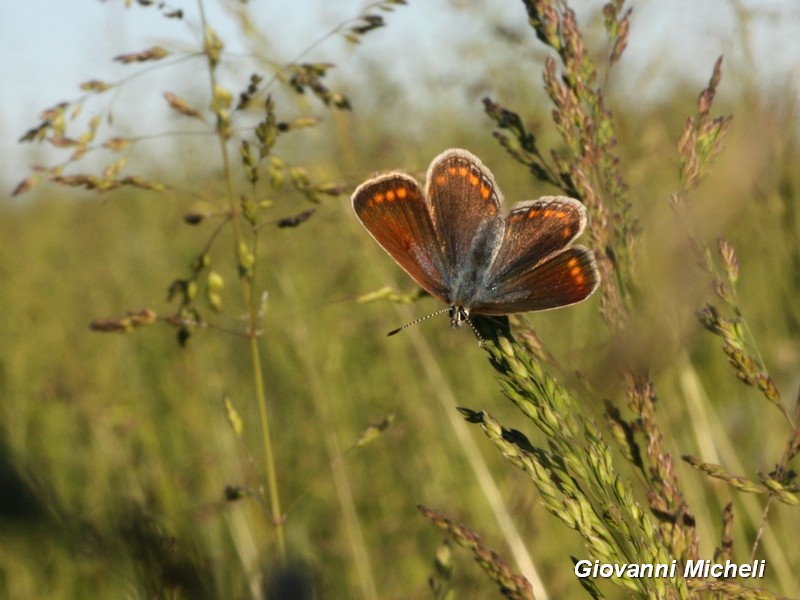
283,444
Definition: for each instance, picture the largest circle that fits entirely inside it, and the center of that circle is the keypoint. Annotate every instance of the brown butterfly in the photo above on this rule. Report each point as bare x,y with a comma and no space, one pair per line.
454,241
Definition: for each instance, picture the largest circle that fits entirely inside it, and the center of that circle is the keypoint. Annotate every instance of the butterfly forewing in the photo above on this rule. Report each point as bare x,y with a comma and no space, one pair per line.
535,230
464,199
394,211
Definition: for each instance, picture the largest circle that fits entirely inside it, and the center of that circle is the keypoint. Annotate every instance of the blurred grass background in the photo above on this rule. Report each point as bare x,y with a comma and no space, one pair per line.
115,449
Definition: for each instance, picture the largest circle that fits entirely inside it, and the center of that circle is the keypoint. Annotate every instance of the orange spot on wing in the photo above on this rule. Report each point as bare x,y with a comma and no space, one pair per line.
378,198
474,180
441,179
390,195
566,232
576,272
534,213
401,192
485,192
463,171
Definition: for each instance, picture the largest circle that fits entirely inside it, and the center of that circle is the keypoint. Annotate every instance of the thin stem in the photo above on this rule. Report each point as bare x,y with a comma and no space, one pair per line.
252,328
760,531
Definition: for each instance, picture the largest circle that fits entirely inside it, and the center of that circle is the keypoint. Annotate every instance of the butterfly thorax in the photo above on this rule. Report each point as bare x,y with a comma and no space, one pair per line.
469,282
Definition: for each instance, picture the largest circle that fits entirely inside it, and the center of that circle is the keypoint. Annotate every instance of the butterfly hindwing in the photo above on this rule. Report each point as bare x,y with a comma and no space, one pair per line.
560,280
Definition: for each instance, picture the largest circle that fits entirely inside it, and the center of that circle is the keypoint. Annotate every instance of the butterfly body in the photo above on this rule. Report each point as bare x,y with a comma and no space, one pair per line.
453,239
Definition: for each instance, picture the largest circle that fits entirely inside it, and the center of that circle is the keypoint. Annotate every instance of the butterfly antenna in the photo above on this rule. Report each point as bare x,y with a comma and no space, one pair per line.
481,341
415,321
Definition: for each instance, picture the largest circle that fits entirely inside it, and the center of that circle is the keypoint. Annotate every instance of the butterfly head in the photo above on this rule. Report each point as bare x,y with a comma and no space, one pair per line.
458,315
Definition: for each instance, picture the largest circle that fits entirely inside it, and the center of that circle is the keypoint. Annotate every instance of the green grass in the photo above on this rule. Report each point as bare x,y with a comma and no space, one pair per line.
116,448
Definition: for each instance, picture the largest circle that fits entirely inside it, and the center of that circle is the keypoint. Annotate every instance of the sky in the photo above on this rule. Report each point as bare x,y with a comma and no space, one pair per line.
51,46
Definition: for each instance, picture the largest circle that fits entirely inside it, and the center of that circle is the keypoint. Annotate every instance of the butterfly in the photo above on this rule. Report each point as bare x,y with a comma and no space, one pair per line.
454,241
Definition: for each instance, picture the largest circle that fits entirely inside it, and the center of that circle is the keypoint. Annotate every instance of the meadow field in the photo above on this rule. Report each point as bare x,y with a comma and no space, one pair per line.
198,398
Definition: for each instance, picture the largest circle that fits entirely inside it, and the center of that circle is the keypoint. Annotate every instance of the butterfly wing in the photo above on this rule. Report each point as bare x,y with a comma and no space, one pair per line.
394,211
465,206
535,269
